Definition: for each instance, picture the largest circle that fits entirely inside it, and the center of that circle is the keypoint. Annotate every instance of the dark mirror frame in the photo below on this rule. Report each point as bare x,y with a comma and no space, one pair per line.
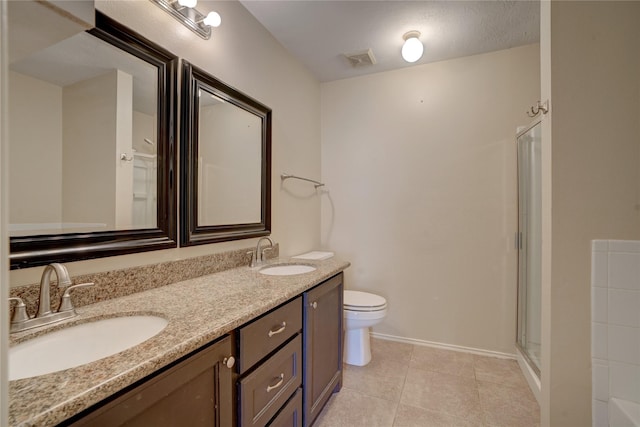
194,79
31,251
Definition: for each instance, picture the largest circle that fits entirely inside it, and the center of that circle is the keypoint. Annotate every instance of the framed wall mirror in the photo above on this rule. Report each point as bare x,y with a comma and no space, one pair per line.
92,148
225,162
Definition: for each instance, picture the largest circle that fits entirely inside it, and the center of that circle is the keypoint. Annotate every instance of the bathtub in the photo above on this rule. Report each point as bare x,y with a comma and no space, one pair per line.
623,413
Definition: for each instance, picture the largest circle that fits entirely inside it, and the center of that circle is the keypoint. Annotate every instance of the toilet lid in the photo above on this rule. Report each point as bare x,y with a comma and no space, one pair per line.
363,301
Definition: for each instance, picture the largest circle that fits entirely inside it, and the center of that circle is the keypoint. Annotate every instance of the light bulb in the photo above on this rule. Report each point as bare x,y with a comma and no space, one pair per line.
412,48
213,19
188,3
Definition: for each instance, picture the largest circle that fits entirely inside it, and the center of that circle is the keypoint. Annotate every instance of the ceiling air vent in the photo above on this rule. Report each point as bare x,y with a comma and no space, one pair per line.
361,59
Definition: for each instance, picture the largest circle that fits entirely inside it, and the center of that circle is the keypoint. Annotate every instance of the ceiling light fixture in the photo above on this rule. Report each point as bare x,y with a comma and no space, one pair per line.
185,12
412,48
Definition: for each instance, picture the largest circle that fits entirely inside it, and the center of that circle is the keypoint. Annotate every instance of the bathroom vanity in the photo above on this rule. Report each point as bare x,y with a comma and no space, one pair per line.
256,350
167,398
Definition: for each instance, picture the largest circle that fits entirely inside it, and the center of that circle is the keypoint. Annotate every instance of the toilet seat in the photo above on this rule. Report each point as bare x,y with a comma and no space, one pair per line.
363,302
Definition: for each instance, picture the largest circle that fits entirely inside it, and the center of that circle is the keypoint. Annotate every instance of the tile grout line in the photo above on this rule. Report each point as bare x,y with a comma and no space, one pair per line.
475,377
404,382
485,416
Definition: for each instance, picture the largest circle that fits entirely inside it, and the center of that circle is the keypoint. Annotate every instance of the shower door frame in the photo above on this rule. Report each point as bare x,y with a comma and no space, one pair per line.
521,243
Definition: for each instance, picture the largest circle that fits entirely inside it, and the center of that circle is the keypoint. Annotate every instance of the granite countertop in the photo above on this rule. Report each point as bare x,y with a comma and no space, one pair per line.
198,311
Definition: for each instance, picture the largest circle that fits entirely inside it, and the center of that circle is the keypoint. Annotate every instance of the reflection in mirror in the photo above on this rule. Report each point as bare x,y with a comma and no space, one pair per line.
229,162
82,140
90,146
226,161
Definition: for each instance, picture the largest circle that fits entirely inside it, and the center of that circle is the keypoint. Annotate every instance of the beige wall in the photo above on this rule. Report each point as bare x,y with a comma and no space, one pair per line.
244,55
91,130
420,169
35,114
591,73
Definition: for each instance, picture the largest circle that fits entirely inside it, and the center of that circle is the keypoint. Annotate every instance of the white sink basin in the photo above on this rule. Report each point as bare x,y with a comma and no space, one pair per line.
286,270
80,344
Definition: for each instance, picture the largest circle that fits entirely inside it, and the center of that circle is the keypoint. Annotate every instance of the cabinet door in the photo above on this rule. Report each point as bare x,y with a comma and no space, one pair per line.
322,342
195,392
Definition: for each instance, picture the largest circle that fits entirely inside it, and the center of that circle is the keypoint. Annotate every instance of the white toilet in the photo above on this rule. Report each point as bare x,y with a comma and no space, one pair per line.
361,310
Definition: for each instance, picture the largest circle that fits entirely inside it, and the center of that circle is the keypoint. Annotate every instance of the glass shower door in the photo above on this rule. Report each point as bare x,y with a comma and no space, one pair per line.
529,243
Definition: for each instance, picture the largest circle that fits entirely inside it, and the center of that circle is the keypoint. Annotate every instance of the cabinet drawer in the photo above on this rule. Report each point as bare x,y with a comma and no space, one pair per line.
291,414
264,391
262,336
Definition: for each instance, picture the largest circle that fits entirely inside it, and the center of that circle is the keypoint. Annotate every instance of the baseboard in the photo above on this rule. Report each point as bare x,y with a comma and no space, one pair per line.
472,350
529,375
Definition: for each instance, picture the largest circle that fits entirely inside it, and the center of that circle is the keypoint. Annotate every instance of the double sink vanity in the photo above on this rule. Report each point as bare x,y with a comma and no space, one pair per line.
244,346
198,341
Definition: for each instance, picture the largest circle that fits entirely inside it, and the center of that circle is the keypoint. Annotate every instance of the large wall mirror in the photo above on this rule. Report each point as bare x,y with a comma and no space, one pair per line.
225,162
91,147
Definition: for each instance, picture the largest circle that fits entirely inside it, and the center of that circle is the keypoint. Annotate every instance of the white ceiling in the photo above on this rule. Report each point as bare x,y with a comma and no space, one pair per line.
319,32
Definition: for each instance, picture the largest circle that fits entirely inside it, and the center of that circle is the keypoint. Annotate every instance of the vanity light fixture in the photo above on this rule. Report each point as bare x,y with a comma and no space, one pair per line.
188,3
412,48
185,12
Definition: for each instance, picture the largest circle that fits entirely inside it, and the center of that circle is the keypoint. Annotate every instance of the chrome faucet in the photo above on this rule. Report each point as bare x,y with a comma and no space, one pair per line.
257,256
21,320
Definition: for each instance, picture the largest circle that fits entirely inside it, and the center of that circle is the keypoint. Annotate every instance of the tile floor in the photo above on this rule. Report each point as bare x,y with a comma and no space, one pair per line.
409,385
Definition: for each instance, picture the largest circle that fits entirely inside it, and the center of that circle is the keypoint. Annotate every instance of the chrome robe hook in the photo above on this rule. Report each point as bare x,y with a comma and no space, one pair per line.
538,108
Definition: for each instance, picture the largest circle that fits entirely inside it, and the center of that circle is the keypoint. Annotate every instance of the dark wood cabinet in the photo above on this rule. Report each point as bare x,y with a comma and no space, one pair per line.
262,336
289,364
266,389
291,413
270,368
197,391
322,345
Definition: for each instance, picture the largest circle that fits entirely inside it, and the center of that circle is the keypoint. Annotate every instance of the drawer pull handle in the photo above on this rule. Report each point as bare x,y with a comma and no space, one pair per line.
279,330
276,385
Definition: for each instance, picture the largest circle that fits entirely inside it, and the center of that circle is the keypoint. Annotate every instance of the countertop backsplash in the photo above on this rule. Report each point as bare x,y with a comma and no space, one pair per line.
127,281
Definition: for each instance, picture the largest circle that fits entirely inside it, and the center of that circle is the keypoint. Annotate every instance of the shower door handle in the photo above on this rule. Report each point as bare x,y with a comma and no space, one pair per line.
517,241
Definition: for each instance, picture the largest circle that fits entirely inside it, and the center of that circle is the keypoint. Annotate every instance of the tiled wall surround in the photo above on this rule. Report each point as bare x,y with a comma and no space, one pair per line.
118,283
615,324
